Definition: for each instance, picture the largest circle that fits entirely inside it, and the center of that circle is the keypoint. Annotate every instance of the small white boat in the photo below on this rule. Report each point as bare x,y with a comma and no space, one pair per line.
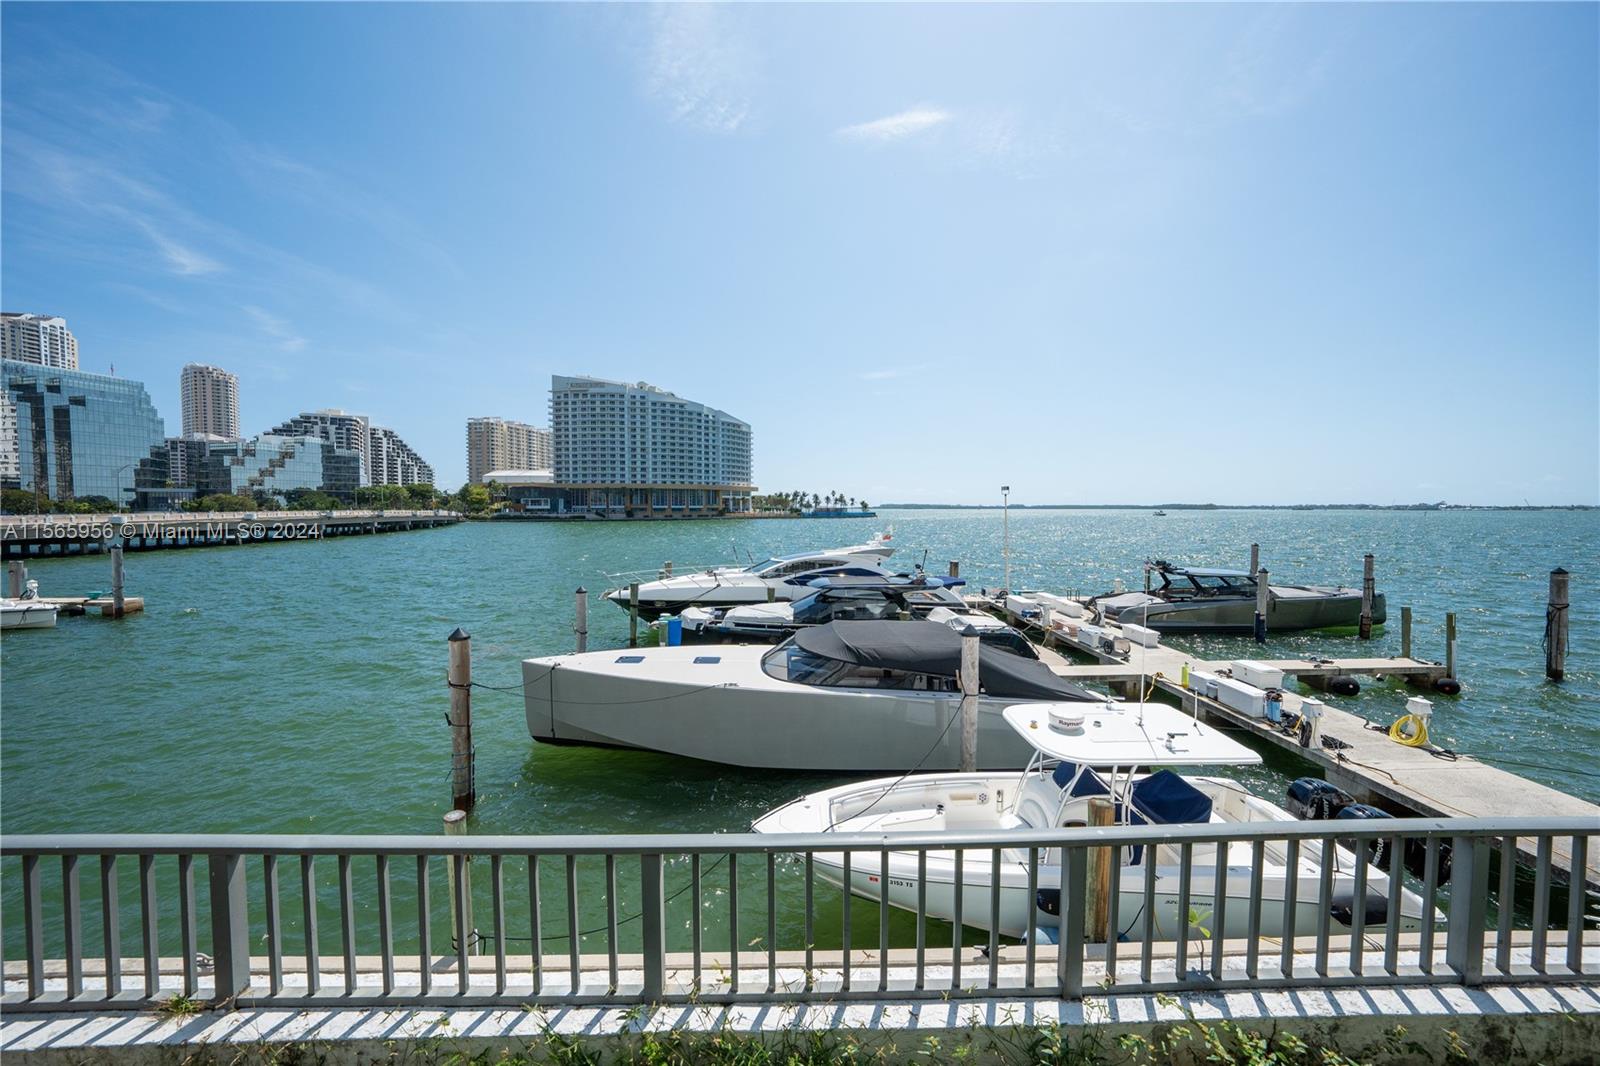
27,611
787,576
1068,741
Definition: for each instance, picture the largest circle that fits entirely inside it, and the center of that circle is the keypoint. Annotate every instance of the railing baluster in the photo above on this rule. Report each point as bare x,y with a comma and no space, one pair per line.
111,924
269,877
149,926
536,927
33,924
695,921
733,922
1147,855
772,922
1541,902
191,964
462,922
1219,906
1113,914
308,901
1291,894
922,915
1578,888
498,888
611,923
1252,948
1324,906
1391,923
424,926
1029,949
1469,908
385,925
1074,894
347,923
994,920
1358,909
883,920
957,930
810,928
1430,900
1180,958
844,927
72,925
572,921
1506,911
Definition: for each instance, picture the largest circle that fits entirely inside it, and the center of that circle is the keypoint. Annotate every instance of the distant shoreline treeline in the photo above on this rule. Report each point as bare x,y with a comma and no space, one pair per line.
1240,507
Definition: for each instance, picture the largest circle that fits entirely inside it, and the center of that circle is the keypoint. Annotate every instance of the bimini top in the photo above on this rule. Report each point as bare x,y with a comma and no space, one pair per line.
1202,571
931,648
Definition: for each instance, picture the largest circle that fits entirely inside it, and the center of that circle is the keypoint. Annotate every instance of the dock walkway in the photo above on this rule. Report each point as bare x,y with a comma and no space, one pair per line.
1421,782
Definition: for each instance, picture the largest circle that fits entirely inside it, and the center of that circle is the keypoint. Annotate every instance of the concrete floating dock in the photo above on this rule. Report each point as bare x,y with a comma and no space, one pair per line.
1410,781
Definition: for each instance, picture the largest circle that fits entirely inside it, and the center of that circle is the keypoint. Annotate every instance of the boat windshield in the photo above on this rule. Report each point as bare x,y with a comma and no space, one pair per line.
787,662
831,604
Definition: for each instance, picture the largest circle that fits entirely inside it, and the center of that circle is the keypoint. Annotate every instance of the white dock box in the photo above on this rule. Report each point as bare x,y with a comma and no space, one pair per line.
1203,683
1022,606
1090,634
1062,605
1242,697
1258,674
1145,638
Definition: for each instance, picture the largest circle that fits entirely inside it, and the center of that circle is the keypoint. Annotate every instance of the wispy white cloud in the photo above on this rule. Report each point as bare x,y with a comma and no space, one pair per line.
897,127
181,258
891,373
701,66
277,329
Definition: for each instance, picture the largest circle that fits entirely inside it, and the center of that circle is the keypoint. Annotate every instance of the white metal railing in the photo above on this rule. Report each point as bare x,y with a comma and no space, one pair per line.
681,955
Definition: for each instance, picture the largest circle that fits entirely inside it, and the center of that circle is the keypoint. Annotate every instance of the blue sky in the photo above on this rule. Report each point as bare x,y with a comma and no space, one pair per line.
1247,254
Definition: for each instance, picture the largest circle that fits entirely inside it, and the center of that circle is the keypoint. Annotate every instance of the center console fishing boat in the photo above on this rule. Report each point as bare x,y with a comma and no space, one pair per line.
1081,752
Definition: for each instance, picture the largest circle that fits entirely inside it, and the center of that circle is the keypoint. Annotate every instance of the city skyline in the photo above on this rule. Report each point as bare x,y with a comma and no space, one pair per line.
1384,274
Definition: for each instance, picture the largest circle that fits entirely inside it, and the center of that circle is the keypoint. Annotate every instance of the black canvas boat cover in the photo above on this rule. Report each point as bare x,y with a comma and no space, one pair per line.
931,648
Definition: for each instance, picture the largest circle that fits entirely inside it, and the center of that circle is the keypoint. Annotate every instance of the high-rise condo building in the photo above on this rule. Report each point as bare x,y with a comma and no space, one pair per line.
644,451
41,339
210,402
79,434
501,444
10,465
385,458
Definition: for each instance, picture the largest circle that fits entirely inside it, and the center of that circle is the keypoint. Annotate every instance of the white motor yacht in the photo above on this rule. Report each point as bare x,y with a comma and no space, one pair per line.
830,599
849,695
1068,742
785,575
27,611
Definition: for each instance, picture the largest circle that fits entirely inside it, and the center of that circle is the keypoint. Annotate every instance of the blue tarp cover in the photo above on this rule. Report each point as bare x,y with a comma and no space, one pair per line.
1166,797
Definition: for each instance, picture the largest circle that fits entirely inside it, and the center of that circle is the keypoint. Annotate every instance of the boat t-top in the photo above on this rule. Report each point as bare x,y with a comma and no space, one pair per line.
1081,752
1189,599
785,575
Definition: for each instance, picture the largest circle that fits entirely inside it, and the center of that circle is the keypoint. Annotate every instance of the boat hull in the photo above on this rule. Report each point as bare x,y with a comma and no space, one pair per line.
776,726
22,615
1284,614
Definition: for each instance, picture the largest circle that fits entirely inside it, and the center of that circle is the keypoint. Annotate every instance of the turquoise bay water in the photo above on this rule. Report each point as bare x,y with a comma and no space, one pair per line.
299,688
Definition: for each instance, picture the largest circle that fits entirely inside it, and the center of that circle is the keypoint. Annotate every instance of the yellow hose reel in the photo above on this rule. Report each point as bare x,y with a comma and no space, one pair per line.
1410,730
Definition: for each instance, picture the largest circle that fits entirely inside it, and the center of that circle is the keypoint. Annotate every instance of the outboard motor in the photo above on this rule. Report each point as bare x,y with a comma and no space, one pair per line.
1343,908
1049,900
1314,799
1375,851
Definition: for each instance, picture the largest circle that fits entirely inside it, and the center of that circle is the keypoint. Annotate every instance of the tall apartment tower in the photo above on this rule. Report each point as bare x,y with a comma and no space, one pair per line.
41,339
616,433
501,444
210,402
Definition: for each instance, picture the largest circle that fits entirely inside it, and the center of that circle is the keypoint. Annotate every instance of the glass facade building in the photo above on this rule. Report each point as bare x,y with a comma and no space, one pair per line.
276,464
79,434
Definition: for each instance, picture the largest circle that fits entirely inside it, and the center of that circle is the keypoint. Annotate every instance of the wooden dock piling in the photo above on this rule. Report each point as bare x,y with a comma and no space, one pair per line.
581,625
1255,557
955,568
1263,592
463,793
1368,592
1450,645
118,604
458,876
14,578
1097,904
969,700
1405,632
1555,626
633,614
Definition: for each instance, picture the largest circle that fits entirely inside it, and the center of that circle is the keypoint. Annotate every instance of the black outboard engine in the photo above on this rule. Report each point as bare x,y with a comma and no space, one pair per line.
1375,851
1343,908
1314,799
1049,900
